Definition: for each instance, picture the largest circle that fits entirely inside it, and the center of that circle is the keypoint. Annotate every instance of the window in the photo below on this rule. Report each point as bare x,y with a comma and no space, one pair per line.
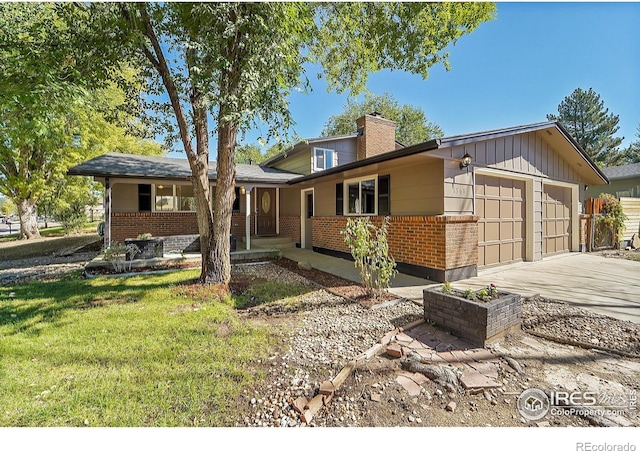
164,198
186,198
361,196
324,159
384,193
144,197
236,199
339,199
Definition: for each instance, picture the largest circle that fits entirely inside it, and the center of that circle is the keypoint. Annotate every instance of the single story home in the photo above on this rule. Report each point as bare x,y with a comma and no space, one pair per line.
455,204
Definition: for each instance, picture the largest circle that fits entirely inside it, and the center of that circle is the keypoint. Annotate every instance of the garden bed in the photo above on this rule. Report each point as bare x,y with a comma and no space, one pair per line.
487,316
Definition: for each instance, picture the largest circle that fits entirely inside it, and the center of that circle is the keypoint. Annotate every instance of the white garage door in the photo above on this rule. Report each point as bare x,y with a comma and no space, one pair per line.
500,205
556,219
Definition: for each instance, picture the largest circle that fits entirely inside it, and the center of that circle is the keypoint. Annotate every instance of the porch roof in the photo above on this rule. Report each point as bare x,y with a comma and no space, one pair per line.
119,165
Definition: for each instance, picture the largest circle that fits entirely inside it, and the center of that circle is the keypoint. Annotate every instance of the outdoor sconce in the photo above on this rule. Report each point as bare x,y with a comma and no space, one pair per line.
466,161
243,190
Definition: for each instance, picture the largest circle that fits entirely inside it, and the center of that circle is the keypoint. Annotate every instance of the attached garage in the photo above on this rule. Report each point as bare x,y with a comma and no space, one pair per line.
556,219
501,210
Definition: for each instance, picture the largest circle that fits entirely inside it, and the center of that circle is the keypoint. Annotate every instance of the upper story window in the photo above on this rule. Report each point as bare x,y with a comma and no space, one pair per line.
324,159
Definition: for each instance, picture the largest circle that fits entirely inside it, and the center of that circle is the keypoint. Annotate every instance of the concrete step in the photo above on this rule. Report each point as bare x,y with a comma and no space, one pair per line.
271,242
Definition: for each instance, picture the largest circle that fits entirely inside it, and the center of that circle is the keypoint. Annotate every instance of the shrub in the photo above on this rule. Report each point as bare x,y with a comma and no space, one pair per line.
370,250
611,218
117,255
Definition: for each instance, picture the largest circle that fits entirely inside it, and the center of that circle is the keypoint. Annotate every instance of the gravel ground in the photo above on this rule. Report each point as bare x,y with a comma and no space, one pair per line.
321,331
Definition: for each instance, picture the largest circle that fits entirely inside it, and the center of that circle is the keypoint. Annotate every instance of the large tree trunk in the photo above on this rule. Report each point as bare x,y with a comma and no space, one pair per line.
28,212
220,271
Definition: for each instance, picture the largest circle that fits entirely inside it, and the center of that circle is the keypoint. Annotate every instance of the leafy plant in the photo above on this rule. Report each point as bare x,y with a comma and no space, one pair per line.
611,219
446,288
370,250
144,236
117,255
469,294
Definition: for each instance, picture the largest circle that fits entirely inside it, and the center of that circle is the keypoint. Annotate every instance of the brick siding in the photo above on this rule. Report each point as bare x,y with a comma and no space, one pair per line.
379,136
439,242
290,226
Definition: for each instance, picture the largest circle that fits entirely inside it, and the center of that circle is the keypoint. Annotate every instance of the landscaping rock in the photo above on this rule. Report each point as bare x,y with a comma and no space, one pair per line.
305,266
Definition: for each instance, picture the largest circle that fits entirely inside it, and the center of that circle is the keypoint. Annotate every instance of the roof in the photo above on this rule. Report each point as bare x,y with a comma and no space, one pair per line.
138,166
458,140
623,172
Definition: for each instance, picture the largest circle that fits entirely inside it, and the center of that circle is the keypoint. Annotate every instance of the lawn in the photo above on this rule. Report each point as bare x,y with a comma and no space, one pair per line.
135,351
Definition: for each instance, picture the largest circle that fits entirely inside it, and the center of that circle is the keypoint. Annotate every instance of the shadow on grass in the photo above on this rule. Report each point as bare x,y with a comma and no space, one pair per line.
25,307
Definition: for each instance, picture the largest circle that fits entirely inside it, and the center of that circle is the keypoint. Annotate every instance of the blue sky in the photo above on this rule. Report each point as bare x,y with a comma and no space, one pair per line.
512,71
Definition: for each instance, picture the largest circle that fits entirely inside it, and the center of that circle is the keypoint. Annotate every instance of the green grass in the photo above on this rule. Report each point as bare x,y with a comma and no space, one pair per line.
50,232
18,249
122,352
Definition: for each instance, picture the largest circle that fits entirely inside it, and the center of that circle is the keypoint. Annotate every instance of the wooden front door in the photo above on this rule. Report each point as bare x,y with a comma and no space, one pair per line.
266,211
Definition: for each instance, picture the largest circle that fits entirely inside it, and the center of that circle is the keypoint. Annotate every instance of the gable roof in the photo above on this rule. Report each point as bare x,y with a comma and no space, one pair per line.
300,145
623,172
457,140
139,166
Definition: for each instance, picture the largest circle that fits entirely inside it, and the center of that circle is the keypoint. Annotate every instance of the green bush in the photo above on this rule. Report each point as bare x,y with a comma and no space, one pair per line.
370,250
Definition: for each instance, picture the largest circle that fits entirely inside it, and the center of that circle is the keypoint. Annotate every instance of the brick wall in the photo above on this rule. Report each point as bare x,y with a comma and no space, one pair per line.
379,136
438,242
290,226
130,225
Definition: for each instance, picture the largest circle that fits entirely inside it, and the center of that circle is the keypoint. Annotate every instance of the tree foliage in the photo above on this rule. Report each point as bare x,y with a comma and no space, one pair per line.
412,126
584,115
238,62
631,155
56,109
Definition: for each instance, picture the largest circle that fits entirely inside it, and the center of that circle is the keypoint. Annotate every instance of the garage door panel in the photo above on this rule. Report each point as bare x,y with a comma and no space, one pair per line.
556,219
501,209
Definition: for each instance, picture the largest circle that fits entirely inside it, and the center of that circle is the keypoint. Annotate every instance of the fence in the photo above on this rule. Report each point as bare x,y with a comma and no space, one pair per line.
598,235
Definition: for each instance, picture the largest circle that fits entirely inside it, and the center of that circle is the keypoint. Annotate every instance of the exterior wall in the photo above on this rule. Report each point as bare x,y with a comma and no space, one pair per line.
300,163
289,202
345,149
290,226
416,187
617,188
526,156
379,136
435,247
124,197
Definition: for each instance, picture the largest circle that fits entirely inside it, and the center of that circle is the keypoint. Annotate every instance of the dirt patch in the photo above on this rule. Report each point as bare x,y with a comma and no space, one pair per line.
337,285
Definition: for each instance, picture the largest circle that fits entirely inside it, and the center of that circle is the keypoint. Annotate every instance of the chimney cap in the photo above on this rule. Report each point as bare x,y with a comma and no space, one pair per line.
376,114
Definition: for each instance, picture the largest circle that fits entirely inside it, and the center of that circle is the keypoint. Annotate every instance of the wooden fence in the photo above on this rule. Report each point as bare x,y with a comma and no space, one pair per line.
631,208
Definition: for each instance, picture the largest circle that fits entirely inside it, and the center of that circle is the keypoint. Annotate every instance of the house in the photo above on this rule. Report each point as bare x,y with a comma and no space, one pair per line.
455,204
625,186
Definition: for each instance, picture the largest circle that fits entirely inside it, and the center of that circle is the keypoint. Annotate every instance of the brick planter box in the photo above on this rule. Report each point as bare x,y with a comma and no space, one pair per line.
148,248
476,321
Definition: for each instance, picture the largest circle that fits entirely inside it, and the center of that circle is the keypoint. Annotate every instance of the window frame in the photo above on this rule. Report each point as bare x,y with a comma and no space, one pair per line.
175,203
359,180
334,159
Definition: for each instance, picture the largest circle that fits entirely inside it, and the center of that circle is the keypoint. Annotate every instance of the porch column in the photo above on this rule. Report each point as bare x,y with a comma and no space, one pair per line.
247,218
107,212
277,211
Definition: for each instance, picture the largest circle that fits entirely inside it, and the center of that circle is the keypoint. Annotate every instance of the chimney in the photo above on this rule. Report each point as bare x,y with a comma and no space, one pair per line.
376,135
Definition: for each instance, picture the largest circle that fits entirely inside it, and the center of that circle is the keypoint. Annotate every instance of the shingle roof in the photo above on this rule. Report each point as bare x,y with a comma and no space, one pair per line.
623,172
139,166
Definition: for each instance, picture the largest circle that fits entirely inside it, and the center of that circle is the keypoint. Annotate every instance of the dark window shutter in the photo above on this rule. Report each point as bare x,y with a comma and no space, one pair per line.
144,197
236,199
339,199
384,195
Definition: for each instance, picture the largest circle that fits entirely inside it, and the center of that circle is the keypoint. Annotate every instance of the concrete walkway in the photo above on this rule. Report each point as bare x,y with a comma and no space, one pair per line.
604,285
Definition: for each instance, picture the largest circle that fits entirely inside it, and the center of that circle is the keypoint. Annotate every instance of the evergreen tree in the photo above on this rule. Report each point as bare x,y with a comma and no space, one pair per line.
584,115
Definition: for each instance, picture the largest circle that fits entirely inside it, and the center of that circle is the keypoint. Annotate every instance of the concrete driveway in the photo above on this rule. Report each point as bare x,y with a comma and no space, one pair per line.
604,285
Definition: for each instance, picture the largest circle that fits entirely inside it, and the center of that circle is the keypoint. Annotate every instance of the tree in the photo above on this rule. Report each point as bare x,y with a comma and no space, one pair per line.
583,114
412,126
632,154
239,61
248,153
49,98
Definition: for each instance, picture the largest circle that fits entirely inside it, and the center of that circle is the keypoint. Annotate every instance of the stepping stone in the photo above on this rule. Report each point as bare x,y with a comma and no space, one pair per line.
471,379
486,368
409,385
481,355
394,350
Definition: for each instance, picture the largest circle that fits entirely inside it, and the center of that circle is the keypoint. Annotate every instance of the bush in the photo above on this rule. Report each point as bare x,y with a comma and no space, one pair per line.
370,250
612,218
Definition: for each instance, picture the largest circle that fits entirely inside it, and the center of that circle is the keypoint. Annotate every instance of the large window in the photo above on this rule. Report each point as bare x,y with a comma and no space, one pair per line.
144,197
361,196
164,198
324,159
174,198
236,199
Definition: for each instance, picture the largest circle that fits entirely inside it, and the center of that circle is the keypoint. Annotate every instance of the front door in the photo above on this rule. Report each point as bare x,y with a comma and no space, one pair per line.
266,211
308,220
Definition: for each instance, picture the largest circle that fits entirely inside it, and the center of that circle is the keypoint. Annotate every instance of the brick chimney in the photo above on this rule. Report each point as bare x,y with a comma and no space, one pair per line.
376,135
